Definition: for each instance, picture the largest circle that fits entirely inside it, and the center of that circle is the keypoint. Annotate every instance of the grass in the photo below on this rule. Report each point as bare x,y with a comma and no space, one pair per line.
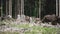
42,30
38,29
34,29
8,32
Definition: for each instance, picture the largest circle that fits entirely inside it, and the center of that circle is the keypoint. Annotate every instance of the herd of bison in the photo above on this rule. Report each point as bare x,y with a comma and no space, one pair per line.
53,19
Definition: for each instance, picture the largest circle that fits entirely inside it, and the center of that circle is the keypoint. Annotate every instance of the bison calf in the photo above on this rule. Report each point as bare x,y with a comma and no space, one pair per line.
38,20
27,18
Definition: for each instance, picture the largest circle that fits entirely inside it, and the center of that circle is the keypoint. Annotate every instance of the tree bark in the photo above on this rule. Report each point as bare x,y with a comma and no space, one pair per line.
7,7
10,7
39,8
22,7
57,8
1,9
18,6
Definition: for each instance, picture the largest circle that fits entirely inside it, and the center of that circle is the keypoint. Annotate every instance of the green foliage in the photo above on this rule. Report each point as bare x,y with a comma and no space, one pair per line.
37,29
42,30
8,32
20,25
33,29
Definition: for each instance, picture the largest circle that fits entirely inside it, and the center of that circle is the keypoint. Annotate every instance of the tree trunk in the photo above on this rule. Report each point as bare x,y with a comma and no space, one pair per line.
22,7
57,8
19,6
39,8
1,9
10,7
7,7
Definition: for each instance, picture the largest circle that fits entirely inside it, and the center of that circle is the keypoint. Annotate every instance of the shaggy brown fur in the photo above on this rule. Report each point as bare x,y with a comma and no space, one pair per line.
51,18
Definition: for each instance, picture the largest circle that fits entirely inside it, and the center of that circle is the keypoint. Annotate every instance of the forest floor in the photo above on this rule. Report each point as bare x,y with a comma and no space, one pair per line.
17,27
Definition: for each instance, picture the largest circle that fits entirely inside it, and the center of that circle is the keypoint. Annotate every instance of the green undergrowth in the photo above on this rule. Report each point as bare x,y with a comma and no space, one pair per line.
38,29
42,30
33,29
8,32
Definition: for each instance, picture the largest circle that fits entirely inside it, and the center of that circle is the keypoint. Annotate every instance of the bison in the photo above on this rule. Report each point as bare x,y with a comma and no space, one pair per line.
58,20
2,18
53,19
27,18
37,20
5,17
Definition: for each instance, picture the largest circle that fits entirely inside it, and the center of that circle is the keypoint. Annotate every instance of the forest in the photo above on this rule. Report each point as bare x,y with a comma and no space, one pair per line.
29,17
31,7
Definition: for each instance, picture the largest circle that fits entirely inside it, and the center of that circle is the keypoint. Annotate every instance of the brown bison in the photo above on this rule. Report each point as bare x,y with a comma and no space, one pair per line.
38,20
51,18
5,17
58,20
2,18
27,18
